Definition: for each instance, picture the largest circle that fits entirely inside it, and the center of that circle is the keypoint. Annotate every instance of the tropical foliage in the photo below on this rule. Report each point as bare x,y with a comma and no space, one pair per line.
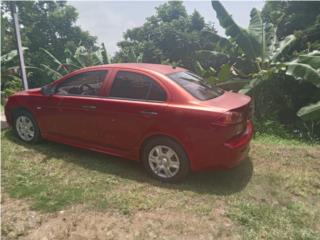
44,24
10,81
78,59
272,56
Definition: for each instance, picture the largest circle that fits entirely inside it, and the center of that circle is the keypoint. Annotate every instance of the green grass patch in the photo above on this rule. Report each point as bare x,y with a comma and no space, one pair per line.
271,131
265,221
273,195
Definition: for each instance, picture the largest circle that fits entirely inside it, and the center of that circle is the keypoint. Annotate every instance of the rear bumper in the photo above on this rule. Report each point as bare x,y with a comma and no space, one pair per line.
230,154
237,149
241,140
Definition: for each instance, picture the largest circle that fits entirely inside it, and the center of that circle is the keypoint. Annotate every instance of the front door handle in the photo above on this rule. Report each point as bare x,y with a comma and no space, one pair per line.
149,113
88,107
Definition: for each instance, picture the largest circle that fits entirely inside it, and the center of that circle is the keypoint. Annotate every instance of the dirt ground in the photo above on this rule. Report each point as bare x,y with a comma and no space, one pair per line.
77,223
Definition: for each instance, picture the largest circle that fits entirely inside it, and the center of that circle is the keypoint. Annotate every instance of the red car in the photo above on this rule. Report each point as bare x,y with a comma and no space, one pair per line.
165,116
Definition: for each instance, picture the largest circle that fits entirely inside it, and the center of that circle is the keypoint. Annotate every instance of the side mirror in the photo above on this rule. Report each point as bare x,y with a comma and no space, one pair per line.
48,90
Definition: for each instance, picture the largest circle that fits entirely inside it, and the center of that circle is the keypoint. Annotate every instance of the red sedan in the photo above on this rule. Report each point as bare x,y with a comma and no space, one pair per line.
165,116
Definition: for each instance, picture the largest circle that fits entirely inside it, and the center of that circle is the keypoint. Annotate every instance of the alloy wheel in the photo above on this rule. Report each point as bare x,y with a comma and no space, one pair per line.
25,128
164,161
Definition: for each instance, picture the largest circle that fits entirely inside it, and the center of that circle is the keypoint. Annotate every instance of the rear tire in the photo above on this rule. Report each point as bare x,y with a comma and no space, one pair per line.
165,160
25,127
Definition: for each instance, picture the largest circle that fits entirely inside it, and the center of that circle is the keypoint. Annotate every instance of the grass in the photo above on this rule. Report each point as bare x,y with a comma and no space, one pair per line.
273,195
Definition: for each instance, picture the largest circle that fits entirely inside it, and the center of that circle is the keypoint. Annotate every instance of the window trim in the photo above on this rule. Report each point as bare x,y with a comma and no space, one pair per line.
135,100
107,72
132,99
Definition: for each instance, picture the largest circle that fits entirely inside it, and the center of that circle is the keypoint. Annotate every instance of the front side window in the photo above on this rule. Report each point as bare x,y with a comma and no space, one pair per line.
83,84
195,85
130,85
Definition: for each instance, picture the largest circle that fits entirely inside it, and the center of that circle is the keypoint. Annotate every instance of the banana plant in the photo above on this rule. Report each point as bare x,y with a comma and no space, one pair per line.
270,54
10,81
207,73
8,66
311,116
10,78
74,60
248,51
132,57
306,67
246,41
256,45
310,112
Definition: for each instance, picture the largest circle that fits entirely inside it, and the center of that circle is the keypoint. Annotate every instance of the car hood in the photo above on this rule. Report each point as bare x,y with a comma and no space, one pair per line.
33,91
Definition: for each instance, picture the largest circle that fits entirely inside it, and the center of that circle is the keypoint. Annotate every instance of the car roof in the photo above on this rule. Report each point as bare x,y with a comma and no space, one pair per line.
160,68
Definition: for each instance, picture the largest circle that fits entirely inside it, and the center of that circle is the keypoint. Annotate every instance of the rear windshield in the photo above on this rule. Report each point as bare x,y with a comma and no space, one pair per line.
195,85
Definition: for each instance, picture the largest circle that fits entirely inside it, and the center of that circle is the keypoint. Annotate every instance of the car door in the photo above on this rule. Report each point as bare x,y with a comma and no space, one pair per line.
136,103
70,110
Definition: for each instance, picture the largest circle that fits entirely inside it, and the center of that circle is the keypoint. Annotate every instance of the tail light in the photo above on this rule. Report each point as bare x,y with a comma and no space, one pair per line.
229,118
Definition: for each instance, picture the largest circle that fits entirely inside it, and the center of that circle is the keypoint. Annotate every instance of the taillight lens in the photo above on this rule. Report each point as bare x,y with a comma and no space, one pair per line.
229,118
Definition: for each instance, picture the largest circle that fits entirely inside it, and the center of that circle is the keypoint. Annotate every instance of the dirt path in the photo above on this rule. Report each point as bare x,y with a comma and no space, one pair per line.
77,223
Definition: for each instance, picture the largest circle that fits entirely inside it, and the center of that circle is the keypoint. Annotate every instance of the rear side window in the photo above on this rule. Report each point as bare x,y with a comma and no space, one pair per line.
83,84
131,85
195,85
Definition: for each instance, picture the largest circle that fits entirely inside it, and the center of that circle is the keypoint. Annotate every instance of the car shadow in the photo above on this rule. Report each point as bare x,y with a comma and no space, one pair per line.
217,182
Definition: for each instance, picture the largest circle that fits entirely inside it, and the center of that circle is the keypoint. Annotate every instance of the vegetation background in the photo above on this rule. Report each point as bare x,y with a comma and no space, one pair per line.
276,60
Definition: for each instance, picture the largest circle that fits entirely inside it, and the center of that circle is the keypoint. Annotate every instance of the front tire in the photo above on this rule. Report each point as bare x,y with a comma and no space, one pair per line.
165,160
26,127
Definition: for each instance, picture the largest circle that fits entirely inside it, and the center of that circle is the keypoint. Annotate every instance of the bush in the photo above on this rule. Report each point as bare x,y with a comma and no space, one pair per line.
276,104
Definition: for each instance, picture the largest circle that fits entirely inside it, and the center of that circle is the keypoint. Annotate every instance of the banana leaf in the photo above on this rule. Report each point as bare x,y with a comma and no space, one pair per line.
209,58
285,47
312,59
271,40
221,42
304,72
306,66
310,112
51,71
249,45
56,60
8,57
225,73
198,68
212,54
256,29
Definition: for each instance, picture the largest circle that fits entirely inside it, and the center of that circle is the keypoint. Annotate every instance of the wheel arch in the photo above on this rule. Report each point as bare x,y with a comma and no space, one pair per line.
161,135
18,109
23,111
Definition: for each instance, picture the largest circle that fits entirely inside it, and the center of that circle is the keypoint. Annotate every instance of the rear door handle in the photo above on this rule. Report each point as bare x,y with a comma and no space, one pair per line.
149,113
88,107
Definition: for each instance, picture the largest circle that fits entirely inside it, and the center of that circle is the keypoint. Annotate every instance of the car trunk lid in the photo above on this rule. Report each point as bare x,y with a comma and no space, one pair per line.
235,104
230,101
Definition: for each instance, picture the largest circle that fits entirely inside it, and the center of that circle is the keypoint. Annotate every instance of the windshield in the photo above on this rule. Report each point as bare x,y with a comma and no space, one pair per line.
195,85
